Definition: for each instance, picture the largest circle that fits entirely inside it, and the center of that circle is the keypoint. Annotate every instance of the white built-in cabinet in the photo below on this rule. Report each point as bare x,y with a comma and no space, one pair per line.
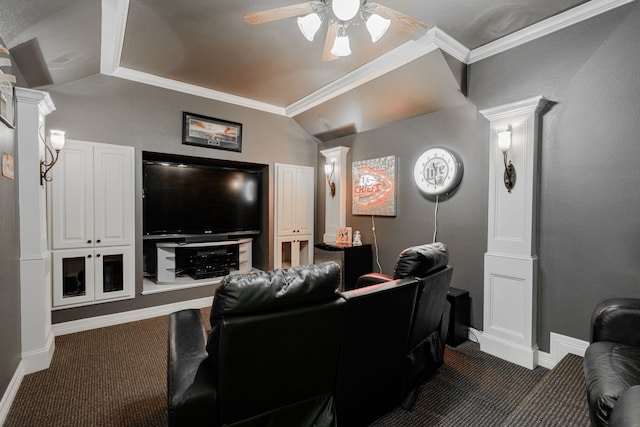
91,211
294,215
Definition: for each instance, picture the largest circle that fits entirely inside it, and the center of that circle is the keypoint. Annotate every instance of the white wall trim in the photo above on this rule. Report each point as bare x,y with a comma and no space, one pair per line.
114,22
162,82
555,23
560,345
392,60
523,355
39,359
126,317
10,393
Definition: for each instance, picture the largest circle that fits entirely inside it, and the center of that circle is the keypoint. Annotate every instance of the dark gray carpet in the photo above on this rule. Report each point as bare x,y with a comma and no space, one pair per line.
116,376
473,388
559,400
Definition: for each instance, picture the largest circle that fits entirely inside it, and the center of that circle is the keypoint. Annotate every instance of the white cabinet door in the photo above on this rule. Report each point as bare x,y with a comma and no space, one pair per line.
292,251
114,273
294,199
92,196
285,197
113,195
73,277
303,201
84,276
92,224
72,197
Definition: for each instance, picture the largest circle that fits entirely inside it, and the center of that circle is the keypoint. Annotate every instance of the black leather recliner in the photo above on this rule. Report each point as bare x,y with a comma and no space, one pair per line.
424,348
612,363
268,329
286,349
372,360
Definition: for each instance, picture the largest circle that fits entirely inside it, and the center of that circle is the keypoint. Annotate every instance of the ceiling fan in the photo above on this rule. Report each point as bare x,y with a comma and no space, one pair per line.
339,15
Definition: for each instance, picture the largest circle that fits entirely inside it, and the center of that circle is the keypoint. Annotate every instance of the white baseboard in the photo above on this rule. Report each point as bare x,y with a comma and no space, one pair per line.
509,351
560,345
40,359
128,316
10,393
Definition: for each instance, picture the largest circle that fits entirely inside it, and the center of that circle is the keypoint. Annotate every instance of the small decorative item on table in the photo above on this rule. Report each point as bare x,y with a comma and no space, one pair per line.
343,236
357,239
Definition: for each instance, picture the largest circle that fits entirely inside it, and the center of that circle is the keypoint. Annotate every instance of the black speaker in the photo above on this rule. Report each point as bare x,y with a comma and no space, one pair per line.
459,317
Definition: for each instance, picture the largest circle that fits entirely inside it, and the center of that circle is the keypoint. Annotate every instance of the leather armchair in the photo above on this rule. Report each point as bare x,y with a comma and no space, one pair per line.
424,351
612,363
286,349
257,367
626,412
371,369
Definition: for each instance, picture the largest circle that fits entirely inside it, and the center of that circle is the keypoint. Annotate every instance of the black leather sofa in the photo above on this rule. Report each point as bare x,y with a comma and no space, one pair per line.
287,349
612,364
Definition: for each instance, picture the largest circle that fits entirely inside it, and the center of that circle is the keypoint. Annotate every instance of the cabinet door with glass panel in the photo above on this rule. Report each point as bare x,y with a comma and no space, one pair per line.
293,251
85,276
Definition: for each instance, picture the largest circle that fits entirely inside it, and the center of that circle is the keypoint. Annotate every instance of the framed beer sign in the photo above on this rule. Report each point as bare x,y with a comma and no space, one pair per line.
374,186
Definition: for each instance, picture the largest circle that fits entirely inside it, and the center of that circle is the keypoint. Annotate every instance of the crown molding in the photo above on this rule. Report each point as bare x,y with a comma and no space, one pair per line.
381,65
451,46
114,22
392,60
518,108
162,82
555,23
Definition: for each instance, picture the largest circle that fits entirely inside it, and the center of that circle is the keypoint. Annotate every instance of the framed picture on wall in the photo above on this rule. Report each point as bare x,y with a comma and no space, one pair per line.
208,132
7,105
374,186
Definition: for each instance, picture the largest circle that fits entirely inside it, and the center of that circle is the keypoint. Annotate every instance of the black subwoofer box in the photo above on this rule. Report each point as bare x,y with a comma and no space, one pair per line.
459,317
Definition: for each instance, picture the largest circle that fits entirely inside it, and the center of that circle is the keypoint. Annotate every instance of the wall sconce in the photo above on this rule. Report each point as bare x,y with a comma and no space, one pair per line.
328,171
504,143
56,138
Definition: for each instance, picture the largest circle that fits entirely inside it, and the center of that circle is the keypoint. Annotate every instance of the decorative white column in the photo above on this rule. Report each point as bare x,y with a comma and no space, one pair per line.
35,259
335,207
511,262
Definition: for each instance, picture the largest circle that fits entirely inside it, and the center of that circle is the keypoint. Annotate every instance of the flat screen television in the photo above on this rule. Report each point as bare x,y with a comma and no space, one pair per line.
186,198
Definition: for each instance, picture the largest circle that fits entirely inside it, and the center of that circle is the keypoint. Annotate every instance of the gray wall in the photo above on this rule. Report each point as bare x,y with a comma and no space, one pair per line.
589,178
111,110
590,148
10,342
462,216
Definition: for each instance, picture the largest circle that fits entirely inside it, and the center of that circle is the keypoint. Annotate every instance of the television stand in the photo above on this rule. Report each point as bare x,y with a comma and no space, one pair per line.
188,262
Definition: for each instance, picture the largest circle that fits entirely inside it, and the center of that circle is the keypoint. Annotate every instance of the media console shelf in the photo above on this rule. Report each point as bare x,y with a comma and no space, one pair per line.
203,261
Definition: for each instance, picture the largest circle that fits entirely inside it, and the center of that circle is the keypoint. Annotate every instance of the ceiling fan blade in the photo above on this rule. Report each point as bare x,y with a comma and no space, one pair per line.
332,32
401,23
278,13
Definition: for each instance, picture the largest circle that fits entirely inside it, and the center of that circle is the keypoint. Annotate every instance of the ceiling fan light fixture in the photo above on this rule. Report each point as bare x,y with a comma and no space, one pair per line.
345,10
341,45
377,26
309,25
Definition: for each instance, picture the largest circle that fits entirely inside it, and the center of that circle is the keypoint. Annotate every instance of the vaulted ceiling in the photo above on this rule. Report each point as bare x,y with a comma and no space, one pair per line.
206,48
